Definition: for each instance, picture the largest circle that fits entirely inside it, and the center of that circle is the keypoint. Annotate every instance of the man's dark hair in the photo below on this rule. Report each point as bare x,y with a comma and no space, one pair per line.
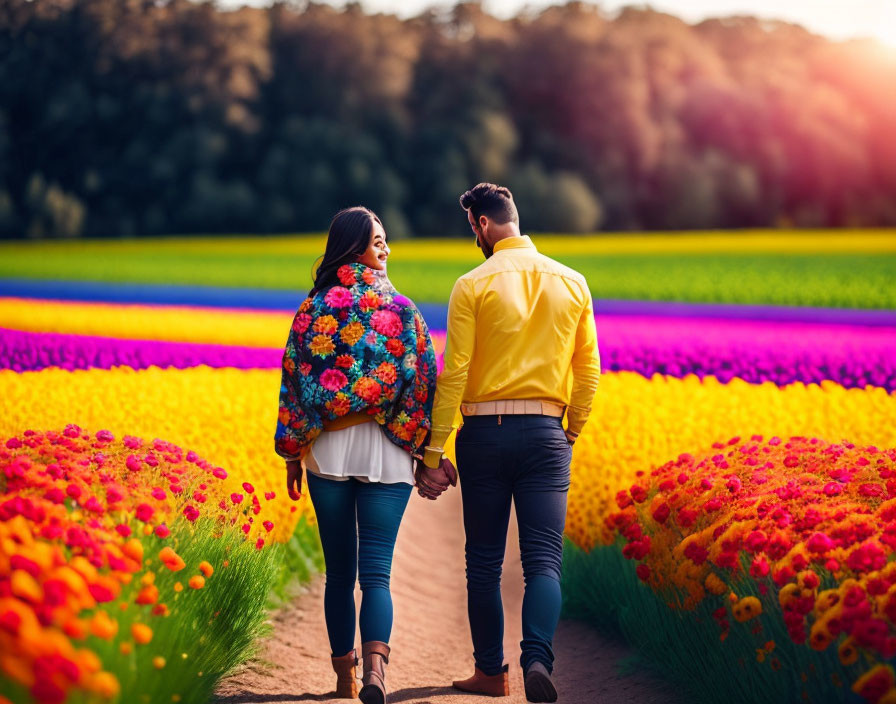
495,202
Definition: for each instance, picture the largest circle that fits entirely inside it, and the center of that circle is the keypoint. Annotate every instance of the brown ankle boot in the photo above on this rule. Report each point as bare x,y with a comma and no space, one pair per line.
346,679
376,656
480,683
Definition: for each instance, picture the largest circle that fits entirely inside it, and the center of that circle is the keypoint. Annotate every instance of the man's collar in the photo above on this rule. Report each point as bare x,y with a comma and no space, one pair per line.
521,242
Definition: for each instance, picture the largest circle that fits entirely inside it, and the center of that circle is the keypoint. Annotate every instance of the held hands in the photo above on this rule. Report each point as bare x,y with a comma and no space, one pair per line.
294,471
431,482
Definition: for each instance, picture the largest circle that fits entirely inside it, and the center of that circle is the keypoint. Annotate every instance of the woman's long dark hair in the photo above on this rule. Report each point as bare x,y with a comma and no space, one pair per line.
348,238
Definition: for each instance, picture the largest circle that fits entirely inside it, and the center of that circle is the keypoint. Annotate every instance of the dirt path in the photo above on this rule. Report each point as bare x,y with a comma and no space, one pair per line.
431,639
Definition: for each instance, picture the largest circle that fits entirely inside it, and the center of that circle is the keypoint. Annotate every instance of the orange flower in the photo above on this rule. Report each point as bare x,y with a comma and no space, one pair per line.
133,549
340,405
148,595
351,333
322,345
369,301
848,652
141,632
76,628
25,586
171,559
103,626
197,581
874,683
103,683
206,568
386,372
367,389
326,324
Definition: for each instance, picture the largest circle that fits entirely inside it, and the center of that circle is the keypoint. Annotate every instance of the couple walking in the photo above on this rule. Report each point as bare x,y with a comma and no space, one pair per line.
360,410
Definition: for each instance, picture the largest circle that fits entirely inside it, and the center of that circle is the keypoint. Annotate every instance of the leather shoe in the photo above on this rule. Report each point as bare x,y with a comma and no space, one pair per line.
481,683
539,685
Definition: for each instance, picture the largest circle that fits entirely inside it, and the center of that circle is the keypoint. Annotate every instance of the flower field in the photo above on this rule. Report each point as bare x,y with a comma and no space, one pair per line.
732,511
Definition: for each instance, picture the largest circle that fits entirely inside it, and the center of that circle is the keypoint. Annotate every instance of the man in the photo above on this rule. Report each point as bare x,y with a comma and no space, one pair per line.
521,351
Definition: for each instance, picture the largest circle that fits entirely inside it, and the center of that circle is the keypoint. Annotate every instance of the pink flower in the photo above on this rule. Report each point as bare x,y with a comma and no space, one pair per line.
759,567
871,490
661,513
236,498
338,297
301,323
158,493
105,436
756,541
248,487
833,488
333,379
639,493
386,322
131,442
144,512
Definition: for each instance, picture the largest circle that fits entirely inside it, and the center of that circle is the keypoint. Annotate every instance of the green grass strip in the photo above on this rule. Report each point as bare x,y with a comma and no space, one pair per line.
821,269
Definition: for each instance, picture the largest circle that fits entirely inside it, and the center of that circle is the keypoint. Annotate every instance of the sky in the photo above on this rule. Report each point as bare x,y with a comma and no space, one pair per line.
838,19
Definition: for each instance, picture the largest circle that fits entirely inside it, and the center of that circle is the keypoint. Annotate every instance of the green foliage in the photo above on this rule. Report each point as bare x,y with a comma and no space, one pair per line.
830,280
122,119
601,587
208,632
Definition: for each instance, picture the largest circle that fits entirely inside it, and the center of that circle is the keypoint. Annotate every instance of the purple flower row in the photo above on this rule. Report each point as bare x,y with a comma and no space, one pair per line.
780,352
755,351
31,351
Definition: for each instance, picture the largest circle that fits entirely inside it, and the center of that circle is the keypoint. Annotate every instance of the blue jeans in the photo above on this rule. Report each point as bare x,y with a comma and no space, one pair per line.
358,524
525,458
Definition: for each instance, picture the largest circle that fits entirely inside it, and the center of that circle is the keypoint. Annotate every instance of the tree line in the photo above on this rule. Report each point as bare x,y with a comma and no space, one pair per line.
122,118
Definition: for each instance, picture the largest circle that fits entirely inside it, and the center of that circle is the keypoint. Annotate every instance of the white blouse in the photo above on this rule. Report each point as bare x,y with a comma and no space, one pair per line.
362,451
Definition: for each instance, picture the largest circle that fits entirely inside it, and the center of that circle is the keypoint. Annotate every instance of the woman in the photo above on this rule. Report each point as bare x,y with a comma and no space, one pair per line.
359,373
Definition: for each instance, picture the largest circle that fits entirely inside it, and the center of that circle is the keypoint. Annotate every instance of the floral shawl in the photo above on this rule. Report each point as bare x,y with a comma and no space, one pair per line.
358,346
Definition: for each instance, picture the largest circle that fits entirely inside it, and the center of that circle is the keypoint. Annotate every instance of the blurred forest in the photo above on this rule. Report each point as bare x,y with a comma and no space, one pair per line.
138,117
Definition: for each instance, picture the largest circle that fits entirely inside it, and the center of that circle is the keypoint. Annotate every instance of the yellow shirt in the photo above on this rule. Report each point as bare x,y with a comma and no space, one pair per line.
520,326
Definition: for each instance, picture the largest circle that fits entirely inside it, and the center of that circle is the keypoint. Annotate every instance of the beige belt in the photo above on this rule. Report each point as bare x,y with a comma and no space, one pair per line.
513,407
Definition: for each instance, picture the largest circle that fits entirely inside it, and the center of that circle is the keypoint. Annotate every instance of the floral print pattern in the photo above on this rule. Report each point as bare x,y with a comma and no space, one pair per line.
359,346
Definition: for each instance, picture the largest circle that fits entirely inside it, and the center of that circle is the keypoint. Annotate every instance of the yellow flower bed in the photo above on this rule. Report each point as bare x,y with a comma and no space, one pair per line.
638,423
229,415
139,322
703,242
